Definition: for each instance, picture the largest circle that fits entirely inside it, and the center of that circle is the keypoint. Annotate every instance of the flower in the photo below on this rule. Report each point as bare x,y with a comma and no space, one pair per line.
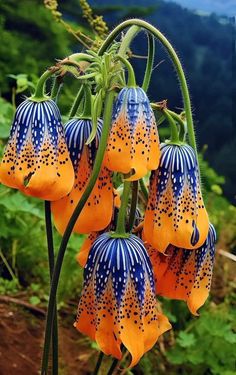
36,159
97,212
175,212
133,143
183,274
118,302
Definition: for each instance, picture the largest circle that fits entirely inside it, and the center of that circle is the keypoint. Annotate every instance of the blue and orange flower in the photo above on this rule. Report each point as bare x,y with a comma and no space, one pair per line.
175,213
97,212
133,145
118,304
183,274
36,159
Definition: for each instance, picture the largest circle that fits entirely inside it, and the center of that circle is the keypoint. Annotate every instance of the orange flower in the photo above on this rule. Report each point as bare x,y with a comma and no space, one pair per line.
133,143
97,212
118,303
176,213
183,274
36,159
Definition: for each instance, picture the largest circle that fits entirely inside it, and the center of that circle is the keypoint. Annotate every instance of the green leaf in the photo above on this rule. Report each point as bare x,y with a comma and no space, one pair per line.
34,300
18,203
186,340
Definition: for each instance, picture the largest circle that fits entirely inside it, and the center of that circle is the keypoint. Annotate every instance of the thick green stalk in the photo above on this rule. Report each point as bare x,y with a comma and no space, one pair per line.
177,118
87,102
51,255
126,41
150,61
40,87
120,227
175,60
174,138
70,226
131,75
76,103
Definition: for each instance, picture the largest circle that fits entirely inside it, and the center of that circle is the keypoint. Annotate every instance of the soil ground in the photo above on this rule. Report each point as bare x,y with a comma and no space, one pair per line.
21,341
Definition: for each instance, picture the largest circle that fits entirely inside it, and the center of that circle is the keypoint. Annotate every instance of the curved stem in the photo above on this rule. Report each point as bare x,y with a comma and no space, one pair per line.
56,88
150,61
70,226
120,227
113,366
133,205
87,102
177,118
50,246
99,362
174,130
76,103
131,75
39,91
175,60
126,41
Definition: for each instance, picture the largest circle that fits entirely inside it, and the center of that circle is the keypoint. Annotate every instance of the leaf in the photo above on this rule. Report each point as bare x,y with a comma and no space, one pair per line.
18,203
34,300
6,114
186,340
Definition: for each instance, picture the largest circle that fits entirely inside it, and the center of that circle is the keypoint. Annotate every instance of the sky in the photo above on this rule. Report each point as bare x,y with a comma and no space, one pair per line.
221,7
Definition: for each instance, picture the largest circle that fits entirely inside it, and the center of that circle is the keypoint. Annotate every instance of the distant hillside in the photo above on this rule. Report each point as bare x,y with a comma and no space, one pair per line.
204,45
221,7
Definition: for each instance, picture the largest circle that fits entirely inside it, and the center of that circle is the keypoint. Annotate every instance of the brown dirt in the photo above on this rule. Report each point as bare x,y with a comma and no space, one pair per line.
21,341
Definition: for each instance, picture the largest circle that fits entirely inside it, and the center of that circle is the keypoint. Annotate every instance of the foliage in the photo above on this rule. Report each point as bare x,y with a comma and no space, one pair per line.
203,345
207,343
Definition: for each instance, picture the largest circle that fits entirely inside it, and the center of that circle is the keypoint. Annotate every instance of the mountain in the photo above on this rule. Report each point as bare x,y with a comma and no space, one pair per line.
221,7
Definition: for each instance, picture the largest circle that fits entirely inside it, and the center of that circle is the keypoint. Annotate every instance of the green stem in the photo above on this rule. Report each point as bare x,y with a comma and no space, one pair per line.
76,103
99,362
113,366
51,255
87,102
174,138
177,118
126,41
150,61
120,227
39,91
175,60
143,189
70,226
133,205
131,75
56,88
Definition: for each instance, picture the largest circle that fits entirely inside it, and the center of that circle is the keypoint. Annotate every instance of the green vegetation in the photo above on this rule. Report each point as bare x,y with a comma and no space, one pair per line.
30,41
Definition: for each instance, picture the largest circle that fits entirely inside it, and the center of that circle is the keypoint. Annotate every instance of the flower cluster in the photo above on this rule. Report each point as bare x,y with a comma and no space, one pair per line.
123,272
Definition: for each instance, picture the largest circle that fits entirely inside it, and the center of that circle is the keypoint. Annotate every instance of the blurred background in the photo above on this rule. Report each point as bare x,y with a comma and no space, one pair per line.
33,36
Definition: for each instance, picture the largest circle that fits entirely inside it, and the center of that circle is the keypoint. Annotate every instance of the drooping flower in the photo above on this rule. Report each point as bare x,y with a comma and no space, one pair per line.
133,144
36,159
118,302
183,274
97,212
176,213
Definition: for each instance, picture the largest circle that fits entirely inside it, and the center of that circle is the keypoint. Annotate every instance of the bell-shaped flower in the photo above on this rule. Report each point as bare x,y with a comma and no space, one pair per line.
36,159
175,213
118,304
183,274
133,145
97,212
